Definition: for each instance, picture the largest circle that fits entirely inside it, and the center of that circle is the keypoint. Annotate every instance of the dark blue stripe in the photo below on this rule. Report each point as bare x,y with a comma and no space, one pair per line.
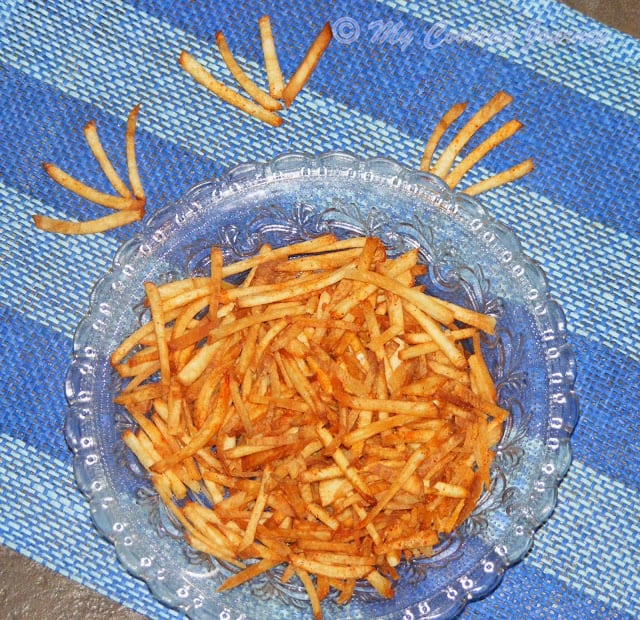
585,152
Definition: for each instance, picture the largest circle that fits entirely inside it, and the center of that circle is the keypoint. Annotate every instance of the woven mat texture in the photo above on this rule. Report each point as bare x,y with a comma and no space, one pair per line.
576,88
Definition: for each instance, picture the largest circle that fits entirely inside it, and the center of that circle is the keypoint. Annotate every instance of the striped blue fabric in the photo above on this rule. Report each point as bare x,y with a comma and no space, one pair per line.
576,85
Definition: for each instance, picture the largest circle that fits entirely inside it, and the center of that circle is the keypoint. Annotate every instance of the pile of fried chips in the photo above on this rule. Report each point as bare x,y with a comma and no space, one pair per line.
325,413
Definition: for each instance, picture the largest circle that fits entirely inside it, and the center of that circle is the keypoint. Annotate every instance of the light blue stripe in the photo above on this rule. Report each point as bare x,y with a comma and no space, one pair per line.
52,287
595,555
5,12
34,487
606,256
609,74
591,542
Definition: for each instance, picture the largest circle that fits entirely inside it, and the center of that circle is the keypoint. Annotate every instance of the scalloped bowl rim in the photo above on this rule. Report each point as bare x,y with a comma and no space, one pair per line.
332,163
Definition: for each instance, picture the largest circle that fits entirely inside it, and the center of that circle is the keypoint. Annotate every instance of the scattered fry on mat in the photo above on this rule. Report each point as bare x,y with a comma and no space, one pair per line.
206,79
101,224
308,65
258,95
271,62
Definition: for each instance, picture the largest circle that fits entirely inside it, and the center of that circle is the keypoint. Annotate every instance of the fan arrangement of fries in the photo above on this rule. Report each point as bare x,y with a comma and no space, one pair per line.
264,106
128,204
312,407
444,166
261,105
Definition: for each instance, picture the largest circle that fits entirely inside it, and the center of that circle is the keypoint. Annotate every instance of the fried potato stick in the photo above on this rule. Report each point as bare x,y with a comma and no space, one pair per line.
204,78
132,164
501,178
85,191
498,137
271,63
91,135
250,87
450,117
88,227
308,65
497,103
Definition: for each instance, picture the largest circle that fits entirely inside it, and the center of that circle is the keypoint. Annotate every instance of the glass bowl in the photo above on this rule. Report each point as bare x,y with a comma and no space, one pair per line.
471,259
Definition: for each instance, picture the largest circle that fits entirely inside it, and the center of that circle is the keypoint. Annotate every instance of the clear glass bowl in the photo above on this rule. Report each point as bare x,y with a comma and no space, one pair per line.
471,260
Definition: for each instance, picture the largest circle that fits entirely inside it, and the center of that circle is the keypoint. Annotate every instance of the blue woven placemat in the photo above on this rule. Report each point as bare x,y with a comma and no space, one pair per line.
393,68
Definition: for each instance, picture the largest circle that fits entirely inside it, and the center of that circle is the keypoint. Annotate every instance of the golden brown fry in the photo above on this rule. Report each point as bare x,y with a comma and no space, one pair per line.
450,117
158,320
324,243
409,468
323,261
342,462
197,364
281,292
335,571
203,436
216,284
130,342
380,583
374,428
250,87
484,322
258,508
479,371
248,573
401,407
346,588
497,137
312,593
501,178
447,346
102,224
428,305
307,66
132,165
84,191
204,77
91,135
412,540
271,63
